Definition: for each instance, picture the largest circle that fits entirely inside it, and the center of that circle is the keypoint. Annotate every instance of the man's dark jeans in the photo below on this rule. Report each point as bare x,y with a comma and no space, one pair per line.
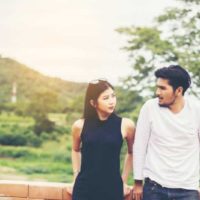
154,191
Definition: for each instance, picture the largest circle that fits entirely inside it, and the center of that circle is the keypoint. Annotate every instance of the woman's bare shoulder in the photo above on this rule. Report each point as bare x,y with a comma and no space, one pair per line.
128,127
78,126
128,123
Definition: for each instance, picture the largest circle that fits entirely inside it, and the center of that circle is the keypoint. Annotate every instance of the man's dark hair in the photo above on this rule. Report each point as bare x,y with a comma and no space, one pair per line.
176,75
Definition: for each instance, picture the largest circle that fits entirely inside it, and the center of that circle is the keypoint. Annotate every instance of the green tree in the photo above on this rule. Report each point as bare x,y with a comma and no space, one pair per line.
173,39
129,102
41,104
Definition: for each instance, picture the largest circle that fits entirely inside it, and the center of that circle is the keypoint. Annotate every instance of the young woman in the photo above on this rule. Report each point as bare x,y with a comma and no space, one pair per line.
97,141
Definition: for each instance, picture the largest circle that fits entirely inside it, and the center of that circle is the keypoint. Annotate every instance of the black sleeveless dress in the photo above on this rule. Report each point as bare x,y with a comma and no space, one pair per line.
99,177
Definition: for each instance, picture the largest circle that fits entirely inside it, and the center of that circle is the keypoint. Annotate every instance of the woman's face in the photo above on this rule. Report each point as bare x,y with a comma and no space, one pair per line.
106,101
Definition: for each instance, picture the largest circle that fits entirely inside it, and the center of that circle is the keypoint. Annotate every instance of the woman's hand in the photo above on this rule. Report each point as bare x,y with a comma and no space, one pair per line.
70,188
127,189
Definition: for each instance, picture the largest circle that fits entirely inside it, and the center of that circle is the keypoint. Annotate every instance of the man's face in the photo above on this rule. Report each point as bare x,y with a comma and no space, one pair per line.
165,92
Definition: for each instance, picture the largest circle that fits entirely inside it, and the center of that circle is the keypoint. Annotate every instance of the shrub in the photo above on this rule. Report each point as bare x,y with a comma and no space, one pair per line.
20,139
14,139
33,140
12,152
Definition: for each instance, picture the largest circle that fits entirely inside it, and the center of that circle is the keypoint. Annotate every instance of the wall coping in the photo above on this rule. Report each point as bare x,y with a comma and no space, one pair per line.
36,190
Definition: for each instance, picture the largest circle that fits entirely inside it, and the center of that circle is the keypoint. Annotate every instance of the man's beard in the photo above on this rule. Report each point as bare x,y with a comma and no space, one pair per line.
164,105
167,105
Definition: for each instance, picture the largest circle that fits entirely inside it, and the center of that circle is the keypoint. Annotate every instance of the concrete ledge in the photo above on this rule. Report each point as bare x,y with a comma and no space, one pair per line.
27,190
13,189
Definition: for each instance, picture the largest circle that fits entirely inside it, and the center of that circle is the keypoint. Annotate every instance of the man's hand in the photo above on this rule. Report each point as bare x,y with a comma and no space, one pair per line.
137,190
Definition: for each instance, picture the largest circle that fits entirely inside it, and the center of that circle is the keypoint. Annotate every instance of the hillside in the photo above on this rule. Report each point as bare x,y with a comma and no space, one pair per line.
30,82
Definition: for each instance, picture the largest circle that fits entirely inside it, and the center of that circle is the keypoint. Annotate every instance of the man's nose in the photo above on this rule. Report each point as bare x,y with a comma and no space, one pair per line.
157,92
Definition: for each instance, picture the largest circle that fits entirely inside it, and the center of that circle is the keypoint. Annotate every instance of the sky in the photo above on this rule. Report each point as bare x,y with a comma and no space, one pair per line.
73,39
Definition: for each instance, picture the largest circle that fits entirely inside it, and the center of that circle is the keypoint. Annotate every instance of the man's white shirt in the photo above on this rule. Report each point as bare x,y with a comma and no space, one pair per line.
167,145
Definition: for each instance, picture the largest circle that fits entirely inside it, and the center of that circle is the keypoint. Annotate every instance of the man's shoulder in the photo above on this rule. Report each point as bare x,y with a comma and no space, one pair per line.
151,102
193,103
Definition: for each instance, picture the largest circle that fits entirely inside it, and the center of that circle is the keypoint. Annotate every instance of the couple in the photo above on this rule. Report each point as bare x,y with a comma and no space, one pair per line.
166,143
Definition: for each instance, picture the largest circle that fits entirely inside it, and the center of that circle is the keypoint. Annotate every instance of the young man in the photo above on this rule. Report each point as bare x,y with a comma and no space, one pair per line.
166,148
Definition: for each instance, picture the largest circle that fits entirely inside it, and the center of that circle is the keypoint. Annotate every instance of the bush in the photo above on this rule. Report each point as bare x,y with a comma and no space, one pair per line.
45,136
15,153
62,129
43,125
14,139
62,157
34,170
33,140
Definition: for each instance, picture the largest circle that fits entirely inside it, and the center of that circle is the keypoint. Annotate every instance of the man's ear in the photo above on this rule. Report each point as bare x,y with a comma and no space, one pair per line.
179,91
92,103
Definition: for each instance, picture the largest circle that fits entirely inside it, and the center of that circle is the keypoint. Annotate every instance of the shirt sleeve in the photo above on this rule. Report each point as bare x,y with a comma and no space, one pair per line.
199,136
197,116
141,142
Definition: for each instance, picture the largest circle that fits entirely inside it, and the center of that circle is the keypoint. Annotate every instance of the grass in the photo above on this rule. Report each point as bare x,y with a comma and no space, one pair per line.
51,162
12,119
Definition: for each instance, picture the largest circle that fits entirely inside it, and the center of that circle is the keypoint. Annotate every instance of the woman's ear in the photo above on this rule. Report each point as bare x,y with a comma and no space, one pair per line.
92,103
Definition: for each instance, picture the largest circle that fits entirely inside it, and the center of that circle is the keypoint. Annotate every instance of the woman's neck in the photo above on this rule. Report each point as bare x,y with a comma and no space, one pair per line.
103,116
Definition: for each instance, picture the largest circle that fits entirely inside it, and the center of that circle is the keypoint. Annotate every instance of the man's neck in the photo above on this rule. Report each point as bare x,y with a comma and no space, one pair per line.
178,105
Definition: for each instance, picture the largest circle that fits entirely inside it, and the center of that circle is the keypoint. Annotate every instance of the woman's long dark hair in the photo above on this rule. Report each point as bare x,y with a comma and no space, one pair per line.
92,93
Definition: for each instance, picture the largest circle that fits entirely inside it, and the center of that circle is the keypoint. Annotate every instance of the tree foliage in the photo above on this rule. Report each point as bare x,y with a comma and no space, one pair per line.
41,104
173,39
